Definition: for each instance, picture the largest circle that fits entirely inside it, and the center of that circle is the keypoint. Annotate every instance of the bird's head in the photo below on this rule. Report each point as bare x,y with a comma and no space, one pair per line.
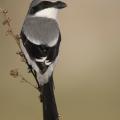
46,8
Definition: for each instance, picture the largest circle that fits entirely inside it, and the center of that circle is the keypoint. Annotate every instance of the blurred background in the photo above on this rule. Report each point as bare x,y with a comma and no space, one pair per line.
87,77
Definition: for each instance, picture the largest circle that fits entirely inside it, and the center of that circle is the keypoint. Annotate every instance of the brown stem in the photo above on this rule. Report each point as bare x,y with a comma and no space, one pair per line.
16,37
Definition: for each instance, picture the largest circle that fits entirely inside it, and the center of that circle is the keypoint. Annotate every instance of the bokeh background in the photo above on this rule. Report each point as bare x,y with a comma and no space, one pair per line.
87,77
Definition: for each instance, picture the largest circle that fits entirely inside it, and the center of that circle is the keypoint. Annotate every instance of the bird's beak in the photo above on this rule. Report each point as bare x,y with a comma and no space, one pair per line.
60,5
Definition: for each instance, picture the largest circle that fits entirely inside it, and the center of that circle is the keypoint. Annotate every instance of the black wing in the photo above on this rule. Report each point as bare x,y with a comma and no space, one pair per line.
39,51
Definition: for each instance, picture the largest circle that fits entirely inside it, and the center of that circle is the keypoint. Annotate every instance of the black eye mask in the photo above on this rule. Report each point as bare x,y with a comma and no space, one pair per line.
41,6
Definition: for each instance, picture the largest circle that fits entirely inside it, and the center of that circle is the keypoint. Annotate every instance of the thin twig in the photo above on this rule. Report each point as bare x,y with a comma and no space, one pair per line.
7,22
15,73
16,37
26,81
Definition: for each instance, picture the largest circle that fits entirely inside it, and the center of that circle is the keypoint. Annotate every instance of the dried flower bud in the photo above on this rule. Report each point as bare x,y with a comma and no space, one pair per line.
5,11
5,22
9,31
14,73
18,37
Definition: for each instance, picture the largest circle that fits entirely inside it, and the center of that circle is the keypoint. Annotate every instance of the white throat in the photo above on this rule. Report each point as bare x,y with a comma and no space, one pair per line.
48,12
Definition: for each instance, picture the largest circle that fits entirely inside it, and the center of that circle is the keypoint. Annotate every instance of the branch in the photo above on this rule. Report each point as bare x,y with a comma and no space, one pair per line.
17,74
16,37
7,22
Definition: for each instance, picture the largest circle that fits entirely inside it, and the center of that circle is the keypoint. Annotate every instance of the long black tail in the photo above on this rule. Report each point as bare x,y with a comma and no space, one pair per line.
50,111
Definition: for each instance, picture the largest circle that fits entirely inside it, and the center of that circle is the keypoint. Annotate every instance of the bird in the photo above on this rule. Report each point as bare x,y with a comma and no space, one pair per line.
40,42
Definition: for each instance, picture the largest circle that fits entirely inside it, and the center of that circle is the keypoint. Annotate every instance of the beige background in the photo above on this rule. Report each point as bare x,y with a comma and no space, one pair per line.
87,77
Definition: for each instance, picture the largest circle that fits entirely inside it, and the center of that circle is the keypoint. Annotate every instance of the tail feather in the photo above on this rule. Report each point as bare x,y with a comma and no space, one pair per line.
49,104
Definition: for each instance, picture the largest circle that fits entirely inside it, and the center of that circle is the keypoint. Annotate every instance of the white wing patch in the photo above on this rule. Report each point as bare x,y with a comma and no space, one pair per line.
44,60
47,62
41,60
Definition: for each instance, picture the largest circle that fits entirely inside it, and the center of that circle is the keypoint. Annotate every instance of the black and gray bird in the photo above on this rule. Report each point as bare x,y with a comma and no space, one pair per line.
40,45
